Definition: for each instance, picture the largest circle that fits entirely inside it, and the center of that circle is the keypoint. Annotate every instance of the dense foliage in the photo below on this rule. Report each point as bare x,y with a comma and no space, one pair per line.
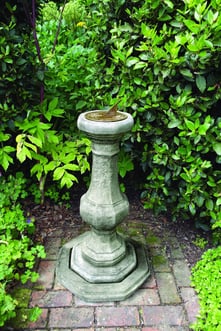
207,281
164,65
17,80
17,250
160,58
30,112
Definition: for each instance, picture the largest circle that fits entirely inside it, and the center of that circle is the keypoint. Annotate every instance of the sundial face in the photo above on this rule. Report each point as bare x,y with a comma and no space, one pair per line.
104,116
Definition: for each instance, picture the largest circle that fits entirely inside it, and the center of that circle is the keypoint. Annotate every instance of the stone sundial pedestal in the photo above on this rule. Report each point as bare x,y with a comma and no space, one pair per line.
100,265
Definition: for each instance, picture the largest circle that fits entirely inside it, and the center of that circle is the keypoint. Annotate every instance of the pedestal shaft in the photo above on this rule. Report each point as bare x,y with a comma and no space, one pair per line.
100,265
104,187
104,206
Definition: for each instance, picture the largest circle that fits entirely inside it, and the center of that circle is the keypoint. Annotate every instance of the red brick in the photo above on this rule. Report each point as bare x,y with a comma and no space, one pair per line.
150,283
116,329
62,330
117,316
181,272
167,288
166,315
46,271
142,297
71,317
52,246
51,299
81,303
149,329
190,302
176,328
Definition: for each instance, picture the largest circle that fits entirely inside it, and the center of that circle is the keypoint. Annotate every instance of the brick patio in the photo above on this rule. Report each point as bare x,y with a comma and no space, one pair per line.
165,302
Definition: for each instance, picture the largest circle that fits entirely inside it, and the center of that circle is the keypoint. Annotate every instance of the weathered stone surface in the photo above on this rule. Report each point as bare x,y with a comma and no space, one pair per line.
164,316
167,288
177,253
142,297
51,299
190,302
117,316
52,246
101,292
181,272
71,318
46,272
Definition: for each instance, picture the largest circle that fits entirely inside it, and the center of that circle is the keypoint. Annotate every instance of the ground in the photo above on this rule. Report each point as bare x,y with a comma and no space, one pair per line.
165,302
52,217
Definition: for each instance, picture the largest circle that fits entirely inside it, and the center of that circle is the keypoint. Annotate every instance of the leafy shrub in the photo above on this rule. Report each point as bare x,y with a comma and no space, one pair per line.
53,192
49,11
17,250
161,59
165,68
53,152
68,66
72,65
17,82
54,147
74,13
207,282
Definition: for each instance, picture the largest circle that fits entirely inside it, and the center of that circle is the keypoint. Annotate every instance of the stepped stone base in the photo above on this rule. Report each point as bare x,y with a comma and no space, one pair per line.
101,291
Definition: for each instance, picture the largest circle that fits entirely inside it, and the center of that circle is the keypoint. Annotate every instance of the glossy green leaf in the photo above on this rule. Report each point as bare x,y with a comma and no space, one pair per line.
217,148
53,104
190,125
201,83
58,173
131,61
174,123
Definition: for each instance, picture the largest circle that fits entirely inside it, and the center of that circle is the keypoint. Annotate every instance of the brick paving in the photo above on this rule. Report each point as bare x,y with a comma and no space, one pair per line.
165,302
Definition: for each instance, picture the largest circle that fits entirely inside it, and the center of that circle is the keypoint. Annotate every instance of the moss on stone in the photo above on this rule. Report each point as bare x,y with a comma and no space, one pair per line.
24,314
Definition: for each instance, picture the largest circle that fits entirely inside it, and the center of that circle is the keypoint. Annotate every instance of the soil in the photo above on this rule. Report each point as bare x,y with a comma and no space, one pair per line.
57,220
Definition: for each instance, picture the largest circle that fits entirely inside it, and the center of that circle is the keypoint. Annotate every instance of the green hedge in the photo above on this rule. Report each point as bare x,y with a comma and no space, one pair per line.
163,62
207,282
17,249
33,78
19,85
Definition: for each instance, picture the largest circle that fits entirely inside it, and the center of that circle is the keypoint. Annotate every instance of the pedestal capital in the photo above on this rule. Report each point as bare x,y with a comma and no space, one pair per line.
104,130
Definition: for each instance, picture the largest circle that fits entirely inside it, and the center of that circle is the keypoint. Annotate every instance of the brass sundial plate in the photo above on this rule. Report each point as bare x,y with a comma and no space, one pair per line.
104,116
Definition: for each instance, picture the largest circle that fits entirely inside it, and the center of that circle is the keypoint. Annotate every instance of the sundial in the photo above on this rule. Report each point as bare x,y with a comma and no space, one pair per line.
112,115
100,264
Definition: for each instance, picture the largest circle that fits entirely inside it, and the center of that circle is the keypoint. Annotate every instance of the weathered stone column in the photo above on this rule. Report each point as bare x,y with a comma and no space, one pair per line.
100,265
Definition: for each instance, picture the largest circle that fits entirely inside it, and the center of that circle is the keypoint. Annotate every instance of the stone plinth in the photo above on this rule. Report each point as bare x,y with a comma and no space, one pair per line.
100,265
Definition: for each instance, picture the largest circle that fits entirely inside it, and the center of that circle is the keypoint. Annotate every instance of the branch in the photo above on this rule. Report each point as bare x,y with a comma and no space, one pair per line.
31,17
59,27
35,33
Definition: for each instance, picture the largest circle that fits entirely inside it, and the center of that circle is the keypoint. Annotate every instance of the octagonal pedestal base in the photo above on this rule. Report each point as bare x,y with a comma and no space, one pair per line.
103,291
103,273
